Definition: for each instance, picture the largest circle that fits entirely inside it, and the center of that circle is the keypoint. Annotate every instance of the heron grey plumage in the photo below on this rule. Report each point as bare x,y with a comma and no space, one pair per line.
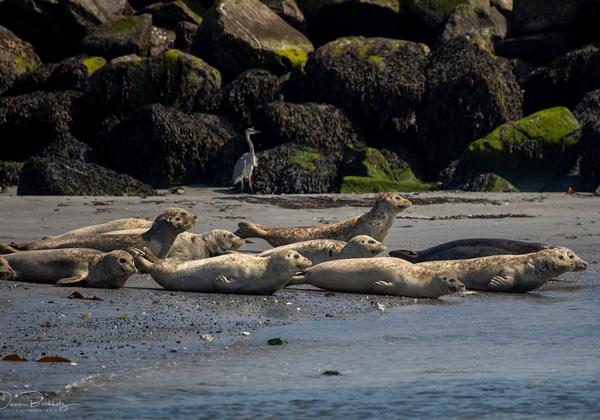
246,163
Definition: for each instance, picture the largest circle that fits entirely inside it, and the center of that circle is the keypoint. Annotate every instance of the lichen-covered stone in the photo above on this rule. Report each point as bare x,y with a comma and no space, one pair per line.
173,78
379,81
127,35
588,114
289,11
565,81
10,172
469,93
241,34
161,40
59,176
169,14
491,183
165,147
530,153
319,126
16,58
484,26
251,89
293,169
433,13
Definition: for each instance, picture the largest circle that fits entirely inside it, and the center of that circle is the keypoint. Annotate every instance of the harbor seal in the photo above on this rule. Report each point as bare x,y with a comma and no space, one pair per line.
510,273
69,267
231,273
375,223
463,249
321,250
159,238
382,276
114,226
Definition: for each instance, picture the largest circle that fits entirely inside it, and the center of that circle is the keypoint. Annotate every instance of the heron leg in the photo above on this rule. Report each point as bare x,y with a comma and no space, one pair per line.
250,184
242,187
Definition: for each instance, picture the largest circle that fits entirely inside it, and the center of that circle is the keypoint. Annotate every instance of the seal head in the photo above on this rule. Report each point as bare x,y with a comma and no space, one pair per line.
112,270
223,240
392,201
363,246
180,219
289,261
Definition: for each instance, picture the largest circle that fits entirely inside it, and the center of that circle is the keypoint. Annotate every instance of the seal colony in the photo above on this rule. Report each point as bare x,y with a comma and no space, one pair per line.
342,257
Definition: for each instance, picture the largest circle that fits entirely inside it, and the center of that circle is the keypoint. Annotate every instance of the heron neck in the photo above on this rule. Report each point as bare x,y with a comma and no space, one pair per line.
250,145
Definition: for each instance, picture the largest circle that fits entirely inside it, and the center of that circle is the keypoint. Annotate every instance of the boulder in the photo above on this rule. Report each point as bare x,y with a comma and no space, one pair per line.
127,35
169,14
10,172
59,176
246,93
502,5
173,78
588,114
450,119
491,183
483,26
184,35
69,148
379,81
165,147
321,127
289,11
531,16
534,153
69,74
293,169
243,34
565,81
16,58
161,40
28,123
435,13
540,49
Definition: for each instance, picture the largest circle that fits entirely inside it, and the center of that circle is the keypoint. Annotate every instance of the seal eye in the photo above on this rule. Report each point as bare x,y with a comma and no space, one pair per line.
571,256
371,242
561,257
123,261
178,219
296,256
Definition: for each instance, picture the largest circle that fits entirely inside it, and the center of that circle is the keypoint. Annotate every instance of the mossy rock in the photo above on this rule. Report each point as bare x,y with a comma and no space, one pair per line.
10,172
311,8
492,183
530,152
170,14
16,58
127,35
435,12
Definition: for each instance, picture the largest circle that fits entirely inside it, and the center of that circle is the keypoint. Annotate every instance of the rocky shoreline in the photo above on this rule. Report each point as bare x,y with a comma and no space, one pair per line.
124,97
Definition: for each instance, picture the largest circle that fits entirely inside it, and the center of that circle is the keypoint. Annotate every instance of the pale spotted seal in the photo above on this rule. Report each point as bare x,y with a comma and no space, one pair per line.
69,267
510,273
381,275
231,273
159,238
463,249
375,223
113,226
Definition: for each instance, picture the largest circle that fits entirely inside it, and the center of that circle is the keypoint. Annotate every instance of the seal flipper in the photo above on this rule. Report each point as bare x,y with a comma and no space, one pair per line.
251,230
6,271
223,284
7,249
382,287
501,283
73,280
406,254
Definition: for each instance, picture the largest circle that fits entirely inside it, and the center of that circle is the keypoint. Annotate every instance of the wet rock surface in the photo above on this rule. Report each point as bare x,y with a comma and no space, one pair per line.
16,58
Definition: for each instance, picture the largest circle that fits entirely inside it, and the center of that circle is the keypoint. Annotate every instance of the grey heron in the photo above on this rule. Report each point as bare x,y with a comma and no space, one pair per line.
246,163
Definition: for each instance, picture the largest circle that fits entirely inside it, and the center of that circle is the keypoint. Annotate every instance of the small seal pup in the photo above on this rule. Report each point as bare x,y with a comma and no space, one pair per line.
231,273
463,249
381,276
375,223
510,273
69,267
159,238
321,250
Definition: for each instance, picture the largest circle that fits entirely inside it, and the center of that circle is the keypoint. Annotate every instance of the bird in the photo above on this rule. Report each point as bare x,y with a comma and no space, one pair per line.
246,163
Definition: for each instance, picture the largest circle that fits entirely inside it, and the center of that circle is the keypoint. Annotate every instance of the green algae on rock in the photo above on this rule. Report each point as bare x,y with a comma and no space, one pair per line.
93,64
491,183
127,35
16,57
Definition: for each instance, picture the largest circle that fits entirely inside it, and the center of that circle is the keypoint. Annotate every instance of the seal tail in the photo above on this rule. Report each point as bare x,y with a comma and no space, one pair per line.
297,279
251,230
7,249
406,254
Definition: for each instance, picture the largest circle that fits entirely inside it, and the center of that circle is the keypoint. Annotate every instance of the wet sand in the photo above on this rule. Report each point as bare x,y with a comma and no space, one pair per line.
142,325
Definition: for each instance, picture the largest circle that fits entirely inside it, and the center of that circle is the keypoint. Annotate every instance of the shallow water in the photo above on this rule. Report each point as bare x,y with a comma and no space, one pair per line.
534,355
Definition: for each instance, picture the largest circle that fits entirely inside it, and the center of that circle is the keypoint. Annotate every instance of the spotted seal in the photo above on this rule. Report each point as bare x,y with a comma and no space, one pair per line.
463,249
231,273
375,223
69,267
380,275
510,273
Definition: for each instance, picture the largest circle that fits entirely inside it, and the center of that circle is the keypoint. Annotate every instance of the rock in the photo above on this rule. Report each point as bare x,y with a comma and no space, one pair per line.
169,14
321,127
565,81
185,33
293,169
449,120
367,170
127,35
173,78
10,172
247,92
435,13
28,123
597,191
16,58
531,16
69,74
484,26
59,176
502,5
243,34
490,183
165,147
289,11
539,48
379,81
532,153
69,148
588,114
161,40
55,27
